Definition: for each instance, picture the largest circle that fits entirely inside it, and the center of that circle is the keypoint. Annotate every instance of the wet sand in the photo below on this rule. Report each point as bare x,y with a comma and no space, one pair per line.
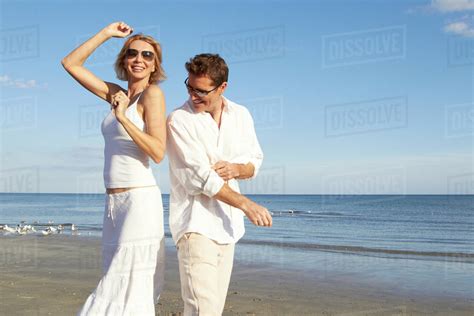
54,275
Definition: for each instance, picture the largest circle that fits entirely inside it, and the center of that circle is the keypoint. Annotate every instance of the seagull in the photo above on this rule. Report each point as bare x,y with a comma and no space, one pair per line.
20,229
26,229
9,229
73,227
46,232
49,230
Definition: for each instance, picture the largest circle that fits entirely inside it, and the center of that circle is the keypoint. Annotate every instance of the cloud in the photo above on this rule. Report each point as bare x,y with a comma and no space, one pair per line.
445,6
460,28
456,25
6,81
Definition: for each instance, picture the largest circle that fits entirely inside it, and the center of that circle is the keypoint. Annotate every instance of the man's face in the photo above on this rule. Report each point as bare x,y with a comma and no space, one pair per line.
211,101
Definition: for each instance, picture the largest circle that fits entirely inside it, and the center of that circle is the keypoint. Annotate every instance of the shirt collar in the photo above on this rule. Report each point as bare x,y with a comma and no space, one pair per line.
227,105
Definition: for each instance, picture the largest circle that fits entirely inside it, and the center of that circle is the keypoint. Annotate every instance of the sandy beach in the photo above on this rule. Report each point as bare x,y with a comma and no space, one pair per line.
53,276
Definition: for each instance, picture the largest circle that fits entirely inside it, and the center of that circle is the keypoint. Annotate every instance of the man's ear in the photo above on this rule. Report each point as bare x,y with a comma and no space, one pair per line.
223,86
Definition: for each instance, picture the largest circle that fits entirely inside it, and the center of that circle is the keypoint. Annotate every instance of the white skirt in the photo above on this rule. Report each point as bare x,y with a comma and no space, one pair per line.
133,254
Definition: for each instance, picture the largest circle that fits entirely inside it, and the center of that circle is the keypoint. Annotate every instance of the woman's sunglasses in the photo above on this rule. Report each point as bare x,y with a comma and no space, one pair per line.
146,54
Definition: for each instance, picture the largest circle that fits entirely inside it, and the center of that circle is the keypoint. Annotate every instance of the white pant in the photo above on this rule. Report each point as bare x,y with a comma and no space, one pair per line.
204,268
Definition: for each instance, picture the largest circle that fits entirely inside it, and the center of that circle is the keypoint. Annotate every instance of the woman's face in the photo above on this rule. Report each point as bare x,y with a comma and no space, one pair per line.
139,60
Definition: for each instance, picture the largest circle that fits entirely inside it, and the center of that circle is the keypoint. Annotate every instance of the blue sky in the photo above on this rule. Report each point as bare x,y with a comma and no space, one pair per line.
348,97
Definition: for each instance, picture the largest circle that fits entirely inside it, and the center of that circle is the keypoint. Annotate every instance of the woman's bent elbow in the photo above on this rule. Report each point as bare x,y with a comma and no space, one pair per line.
64,63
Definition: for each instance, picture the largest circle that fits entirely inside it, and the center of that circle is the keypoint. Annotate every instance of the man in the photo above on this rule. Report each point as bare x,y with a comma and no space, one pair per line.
211,145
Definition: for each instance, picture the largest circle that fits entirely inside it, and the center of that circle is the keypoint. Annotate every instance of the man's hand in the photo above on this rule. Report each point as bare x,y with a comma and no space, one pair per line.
257,214
227,170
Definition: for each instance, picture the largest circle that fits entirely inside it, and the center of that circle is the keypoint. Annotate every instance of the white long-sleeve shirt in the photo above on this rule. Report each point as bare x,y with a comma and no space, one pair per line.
195,144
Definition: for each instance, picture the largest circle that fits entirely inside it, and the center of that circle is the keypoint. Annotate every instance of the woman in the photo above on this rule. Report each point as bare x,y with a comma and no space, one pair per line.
134,130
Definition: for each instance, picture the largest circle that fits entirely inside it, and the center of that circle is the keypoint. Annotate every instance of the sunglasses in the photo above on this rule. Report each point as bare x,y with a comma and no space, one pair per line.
146,54
200,93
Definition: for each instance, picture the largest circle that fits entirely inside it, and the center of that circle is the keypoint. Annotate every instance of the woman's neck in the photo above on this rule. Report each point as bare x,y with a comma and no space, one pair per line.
135,87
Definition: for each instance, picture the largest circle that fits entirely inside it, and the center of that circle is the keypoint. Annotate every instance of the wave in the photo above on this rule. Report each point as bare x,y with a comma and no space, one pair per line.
352,249
358,249
304,246
311,213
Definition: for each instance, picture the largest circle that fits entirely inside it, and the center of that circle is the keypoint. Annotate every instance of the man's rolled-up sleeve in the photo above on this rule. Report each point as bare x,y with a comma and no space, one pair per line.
189,162
255,153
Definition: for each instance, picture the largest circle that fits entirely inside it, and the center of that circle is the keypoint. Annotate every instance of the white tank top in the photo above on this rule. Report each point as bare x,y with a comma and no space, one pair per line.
126,165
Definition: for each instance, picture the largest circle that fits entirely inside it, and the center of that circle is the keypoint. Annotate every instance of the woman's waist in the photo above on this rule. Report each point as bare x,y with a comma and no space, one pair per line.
125,189
116,163
124,178
127,152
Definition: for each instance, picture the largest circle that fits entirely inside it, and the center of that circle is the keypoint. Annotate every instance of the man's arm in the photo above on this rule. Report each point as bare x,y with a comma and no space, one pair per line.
256,213
188,160
245,171
227,170
251,159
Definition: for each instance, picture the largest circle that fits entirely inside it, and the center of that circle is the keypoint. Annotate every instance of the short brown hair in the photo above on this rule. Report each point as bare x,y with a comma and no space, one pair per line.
211,65
156,76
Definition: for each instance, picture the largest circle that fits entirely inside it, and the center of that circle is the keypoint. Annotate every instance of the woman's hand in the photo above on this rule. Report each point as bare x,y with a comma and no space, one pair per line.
120,103
118,29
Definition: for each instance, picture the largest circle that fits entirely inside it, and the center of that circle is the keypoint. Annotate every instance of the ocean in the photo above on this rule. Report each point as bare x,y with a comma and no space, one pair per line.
420,242
426,225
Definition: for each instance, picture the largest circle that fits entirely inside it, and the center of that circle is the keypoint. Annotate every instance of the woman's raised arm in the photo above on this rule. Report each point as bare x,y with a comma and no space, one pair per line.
74,62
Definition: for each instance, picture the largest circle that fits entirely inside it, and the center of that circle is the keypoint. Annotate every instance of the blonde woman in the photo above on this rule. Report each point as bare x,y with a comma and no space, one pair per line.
134,131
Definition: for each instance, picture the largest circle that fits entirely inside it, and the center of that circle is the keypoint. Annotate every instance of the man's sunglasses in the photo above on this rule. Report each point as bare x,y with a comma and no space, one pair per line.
146,54
200,93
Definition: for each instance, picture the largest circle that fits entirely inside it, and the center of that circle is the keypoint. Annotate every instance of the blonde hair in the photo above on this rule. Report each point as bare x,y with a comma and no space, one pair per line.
157,75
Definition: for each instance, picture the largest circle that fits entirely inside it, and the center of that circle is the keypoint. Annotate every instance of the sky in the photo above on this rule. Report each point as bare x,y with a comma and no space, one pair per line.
348,97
